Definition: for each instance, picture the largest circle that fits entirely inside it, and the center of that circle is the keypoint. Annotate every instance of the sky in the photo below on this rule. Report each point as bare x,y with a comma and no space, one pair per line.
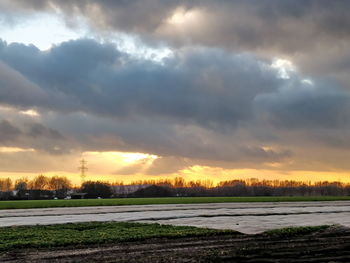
201,89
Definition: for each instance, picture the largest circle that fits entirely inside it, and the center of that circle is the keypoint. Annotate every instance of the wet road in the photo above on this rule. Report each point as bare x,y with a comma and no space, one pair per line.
247,218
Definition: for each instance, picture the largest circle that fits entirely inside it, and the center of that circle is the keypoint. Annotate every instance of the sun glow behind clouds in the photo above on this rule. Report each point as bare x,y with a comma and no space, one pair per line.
31,113
15,150
134,157
284,67
181,16
134,47
41,30
45,30
125,157
111,162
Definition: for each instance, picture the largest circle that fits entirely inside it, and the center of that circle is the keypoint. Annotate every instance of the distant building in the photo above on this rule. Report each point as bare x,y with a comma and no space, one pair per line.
127,189
77,195
35,194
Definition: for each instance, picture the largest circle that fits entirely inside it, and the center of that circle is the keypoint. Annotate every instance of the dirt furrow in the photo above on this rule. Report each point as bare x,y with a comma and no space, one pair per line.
329,245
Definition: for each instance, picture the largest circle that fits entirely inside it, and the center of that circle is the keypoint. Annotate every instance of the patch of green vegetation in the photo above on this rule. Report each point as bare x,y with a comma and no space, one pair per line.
295,231
93,233
161,200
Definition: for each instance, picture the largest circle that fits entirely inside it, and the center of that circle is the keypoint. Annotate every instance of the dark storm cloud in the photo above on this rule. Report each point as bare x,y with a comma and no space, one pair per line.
33,135
37,130
207,87
288,25
314,34
163,138
18,90
261,153
128,15
34,78
213,103
202,104
8,132
306,106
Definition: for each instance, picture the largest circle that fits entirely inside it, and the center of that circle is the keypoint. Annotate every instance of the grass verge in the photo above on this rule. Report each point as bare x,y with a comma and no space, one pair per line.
64,235
163,200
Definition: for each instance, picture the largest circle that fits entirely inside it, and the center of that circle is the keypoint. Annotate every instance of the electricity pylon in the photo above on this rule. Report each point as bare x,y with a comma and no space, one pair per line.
83,169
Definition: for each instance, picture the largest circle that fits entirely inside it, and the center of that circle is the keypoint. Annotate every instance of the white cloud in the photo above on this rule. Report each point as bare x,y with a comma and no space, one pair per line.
42,30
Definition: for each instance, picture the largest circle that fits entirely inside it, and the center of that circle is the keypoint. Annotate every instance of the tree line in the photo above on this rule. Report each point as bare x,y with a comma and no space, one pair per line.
44,187
40,182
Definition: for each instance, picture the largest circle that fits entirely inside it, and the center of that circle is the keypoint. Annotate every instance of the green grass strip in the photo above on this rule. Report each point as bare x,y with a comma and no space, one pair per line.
165,200
64,235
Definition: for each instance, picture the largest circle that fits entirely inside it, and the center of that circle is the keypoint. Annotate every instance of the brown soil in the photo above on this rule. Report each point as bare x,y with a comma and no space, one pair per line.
330,245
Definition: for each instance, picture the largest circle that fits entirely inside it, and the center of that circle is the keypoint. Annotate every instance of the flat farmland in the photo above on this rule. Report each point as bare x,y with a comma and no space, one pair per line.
135,242
245,217
309,231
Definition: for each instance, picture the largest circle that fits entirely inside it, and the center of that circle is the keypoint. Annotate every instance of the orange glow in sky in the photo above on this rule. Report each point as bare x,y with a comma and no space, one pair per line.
105,166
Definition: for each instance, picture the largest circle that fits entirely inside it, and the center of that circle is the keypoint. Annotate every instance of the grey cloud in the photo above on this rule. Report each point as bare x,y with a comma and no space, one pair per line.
130,169
173,142
35,136
18,90
310,106
303,31
168,165
209,105
300,30
207,87
160,166
128,15
37,162
8,132
313,34
37,130
265,154
289,26
203,104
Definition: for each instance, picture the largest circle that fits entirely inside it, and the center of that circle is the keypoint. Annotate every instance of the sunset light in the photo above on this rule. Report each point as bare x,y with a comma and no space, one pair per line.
157,131
181,16
14,150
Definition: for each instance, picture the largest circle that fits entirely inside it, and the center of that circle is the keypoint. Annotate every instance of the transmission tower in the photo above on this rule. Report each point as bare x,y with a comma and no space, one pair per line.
83,168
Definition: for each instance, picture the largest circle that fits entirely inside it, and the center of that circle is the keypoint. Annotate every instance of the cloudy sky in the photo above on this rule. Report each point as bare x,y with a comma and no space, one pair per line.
202,89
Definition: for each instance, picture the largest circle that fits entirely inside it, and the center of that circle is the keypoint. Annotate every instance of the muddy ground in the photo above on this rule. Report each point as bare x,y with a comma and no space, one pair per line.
330,245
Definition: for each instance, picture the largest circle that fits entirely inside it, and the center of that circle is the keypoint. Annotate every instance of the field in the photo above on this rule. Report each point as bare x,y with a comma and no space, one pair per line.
132,242
149,201
167,232
93,233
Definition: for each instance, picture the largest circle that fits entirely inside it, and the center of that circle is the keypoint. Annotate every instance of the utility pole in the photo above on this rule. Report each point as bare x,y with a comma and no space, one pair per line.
82,168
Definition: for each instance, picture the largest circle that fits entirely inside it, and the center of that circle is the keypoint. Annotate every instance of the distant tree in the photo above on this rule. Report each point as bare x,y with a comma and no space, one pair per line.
179,182
21,184
5,184
41,182
5,189
96,189
60,184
